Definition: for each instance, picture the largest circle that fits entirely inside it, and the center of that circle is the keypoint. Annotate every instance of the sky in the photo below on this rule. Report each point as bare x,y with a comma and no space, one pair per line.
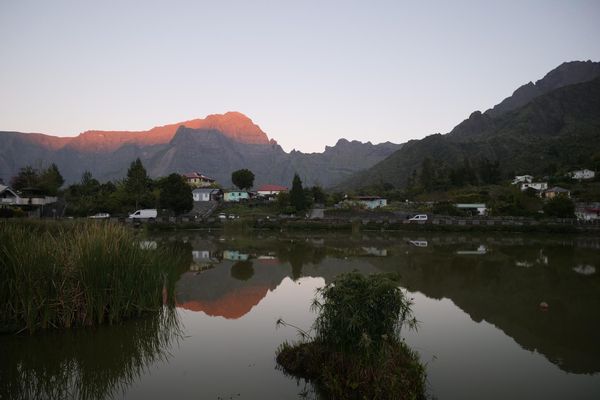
307,72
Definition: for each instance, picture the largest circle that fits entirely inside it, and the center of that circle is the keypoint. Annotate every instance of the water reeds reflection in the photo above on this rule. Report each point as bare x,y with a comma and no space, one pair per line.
86,364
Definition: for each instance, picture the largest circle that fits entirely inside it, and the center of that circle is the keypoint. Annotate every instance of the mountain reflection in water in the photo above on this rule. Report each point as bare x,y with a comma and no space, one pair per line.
497,279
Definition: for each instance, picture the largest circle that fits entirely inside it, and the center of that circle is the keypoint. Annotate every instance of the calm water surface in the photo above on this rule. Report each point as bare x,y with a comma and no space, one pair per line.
482,333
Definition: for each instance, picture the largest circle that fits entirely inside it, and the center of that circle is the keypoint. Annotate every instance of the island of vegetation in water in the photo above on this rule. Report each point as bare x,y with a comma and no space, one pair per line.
62,275
354,349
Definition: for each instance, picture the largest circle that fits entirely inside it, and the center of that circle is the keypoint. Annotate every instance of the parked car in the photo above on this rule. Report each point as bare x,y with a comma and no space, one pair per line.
232,216
149,213
222,216
100,216
419,218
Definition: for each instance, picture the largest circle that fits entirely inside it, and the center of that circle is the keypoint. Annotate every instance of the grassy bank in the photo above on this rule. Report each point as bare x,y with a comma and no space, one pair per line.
356,351
62,275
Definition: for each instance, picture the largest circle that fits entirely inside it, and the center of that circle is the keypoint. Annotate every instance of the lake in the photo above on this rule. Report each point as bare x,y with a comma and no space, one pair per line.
482,331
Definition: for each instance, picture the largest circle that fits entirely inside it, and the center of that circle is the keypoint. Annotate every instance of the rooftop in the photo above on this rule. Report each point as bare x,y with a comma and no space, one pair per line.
197,175
558,189
206,190
367,198
272,188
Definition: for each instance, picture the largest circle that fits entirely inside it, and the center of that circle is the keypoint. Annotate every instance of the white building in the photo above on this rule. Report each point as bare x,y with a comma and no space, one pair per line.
207,194
522,179
9,197
539,186
196,179
270,190
480,208
369,202
582,174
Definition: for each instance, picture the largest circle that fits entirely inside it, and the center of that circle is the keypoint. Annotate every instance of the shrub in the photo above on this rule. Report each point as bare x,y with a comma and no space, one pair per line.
356,351
360,312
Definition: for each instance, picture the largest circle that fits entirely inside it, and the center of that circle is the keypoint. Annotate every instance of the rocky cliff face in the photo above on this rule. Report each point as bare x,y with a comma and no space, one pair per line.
216,155
234,125
216,145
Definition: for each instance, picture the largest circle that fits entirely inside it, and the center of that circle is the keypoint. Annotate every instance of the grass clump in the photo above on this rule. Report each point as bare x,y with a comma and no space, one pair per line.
354,349
79,274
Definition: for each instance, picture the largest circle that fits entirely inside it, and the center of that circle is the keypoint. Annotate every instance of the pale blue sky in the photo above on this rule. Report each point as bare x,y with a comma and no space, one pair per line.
307,72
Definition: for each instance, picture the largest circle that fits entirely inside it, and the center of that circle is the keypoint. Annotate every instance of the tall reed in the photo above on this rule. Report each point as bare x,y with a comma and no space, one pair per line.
63,275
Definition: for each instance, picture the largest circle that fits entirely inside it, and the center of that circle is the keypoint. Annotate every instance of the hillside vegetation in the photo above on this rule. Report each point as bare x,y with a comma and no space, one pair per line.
552,134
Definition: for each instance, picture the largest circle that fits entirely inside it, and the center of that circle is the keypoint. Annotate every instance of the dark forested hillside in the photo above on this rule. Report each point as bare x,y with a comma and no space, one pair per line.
554,132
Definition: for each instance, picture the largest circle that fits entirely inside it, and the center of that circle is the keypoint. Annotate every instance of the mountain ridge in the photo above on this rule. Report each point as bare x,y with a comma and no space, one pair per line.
556,130
216,145
232,124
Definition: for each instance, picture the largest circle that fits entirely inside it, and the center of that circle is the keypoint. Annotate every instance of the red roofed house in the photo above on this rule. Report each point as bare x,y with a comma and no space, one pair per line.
270,190
196,179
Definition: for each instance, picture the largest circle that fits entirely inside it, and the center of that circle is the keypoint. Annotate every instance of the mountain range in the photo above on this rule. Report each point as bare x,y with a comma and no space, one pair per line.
543,128
215,146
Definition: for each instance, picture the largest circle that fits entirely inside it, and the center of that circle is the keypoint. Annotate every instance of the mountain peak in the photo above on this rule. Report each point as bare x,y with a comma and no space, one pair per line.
232,124
567,73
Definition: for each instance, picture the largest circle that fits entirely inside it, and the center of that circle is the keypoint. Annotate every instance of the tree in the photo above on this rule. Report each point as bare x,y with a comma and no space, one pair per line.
27,177
51,180
489,172
175,194
243,178
560,207
318,194
83,198
427,174
297,197
137,184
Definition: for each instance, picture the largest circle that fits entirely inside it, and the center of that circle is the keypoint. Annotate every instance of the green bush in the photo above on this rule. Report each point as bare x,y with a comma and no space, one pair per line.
358,312
356,351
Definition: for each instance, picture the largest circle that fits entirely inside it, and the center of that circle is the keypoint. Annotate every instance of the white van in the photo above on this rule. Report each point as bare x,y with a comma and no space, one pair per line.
419,217
144,214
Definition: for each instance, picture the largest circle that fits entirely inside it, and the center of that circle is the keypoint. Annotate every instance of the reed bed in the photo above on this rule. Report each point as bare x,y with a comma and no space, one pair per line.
62,275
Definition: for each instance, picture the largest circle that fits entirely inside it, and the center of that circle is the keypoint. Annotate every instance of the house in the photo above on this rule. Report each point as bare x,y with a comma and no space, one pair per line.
207,194
369,202
539,186
556,191
235,195
270,190
29,197
582,174
587,211
8,196
479,208
522,179
196,179
234,255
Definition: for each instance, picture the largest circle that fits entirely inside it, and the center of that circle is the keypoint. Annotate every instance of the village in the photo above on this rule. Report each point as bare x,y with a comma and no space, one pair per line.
202,198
